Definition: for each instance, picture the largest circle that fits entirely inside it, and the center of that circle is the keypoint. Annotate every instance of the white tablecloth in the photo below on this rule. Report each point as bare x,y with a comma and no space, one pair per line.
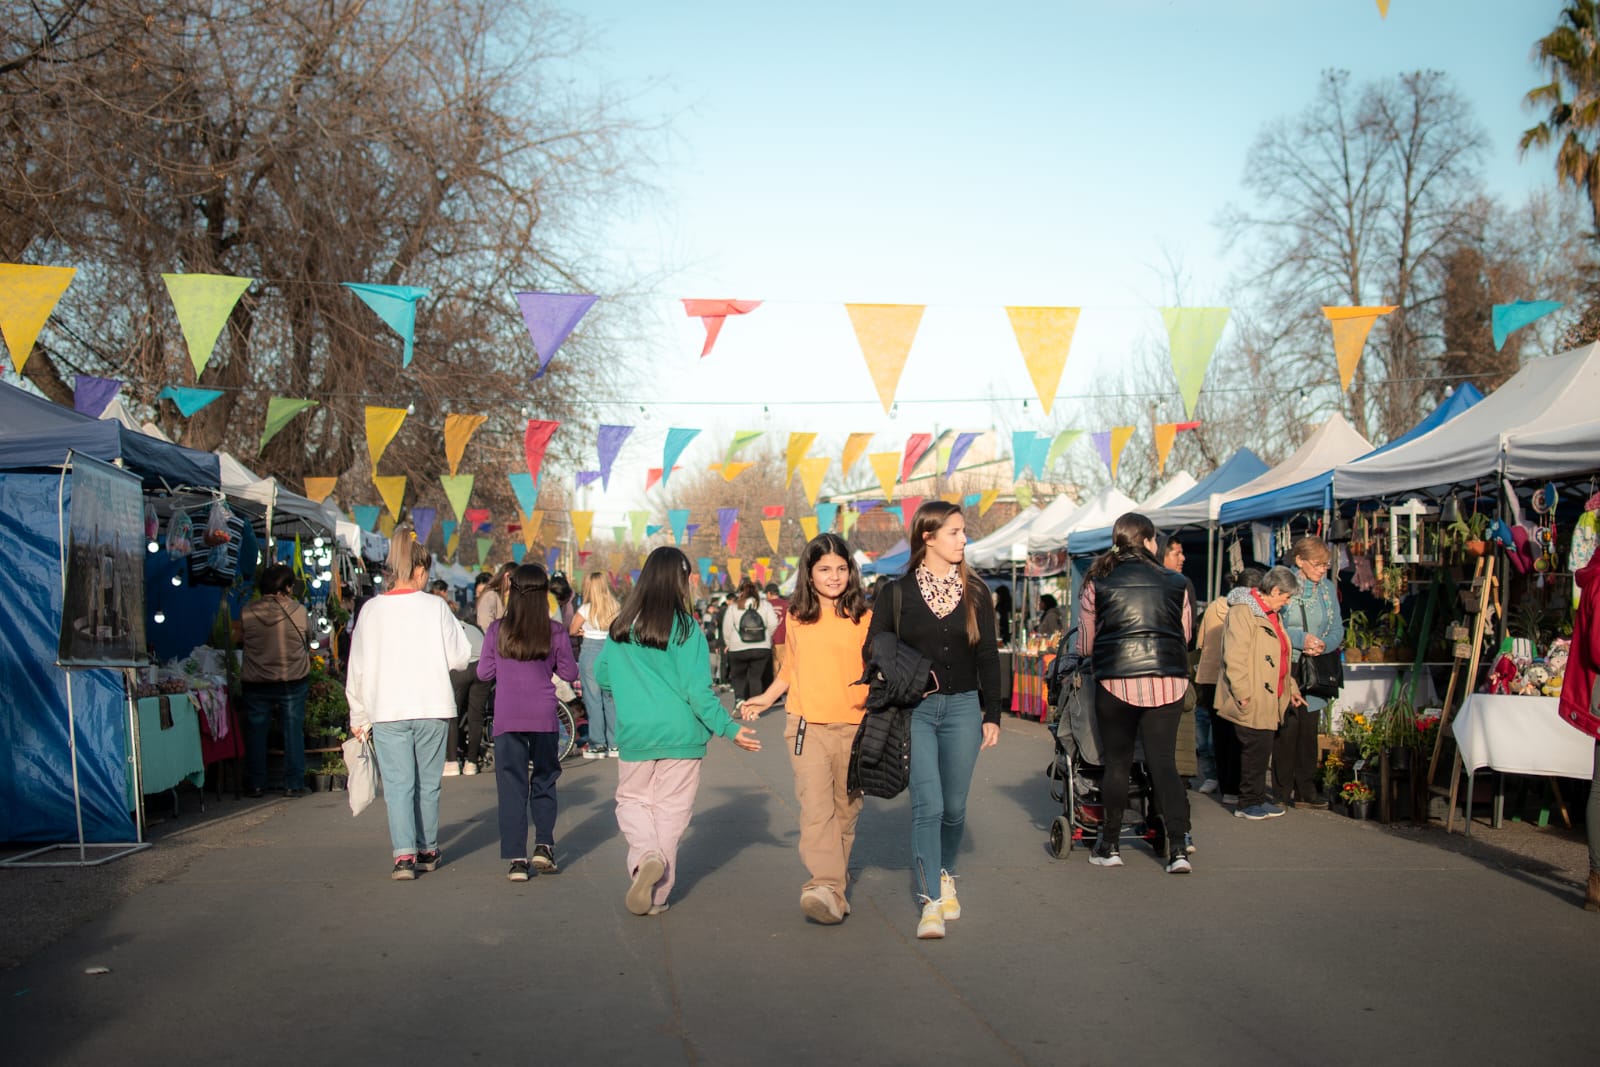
1520,735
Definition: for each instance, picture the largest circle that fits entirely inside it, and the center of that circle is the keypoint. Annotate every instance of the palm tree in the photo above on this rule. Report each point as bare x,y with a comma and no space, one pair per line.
1571,55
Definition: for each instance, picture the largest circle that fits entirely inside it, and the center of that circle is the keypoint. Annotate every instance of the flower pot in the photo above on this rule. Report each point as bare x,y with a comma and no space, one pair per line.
1477,548
1352,752
1399,757
340,780
320,782
1355,655
1358,809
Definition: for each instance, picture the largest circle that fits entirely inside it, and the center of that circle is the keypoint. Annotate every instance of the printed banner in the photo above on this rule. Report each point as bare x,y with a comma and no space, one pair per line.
458,430
396,305
103,587
28,295
1044,334
203,303
885,333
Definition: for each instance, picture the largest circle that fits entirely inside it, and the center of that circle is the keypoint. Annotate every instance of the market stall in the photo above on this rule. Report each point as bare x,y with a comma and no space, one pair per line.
1518,735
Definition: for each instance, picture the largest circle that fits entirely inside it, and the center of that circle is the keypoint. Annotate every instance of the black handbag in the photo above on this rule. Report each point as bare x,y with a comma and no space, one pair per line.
1321,675
880,753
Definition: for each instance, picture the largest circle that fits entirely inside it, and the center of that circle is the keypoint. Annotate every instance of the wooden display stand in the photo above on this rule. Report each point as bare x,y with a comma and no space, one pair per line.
1463,676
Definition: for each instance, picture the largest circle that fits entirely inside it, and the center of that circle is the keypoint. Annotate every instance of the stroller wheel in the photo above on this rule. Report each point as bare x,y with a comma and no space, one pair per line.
1060,836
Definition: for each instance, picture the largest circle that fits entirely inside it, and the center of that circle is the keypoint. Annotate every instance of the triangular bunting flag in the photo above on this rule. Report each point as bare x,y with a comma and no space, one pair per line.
636,524
678,519
730,471
885,333
458,430
812,469
735,571
1120,435
1193,334
826,514
280,409
534,442
1059,444
188,400
28,295
855,446
485,545
808,524
393,491
203,303
1383,9
317,489
396,305
386,524
986,500
958,451
772,511
552,556
1508,318
422,520
90,394
1350,328
608,445
524,489
713,312
773,528
1024,496
727,518
366,516
741,438
582,526
519,553
1022,453
885,465
916,447
799,445
477,519
458,490
532,524
550,318
583,478
951,498
1165,434
1044,335
678,439
704,563
382,425
908,509
848,522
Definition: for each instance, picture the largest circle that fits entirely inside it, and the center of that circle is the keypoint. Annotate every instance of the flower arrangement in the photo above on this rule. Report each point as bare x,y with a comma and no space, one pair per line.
1427,727
1358,729
1332,771
1357,792
327,712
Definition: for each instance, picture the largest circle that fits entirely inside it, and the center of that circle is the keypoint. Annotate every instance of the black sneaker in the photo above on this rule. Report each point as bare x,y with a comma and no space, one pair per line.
518,871
1178,862
544,860
1103,855
428,861
405,869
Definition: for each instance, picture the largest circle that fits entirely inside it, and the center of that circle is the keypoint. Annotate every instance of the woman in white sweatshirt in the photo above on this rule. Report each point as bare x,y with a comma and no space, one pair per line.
401,655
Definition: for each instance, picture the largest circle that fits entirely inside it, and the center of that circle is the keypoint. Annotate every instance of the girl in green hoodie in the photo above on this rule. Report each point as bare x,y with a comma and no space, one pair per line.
657,668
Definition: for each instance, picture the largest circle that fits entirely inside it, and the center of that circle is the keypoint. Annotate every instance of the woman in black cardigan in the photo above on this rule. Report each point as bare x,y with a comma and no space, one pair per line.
947,614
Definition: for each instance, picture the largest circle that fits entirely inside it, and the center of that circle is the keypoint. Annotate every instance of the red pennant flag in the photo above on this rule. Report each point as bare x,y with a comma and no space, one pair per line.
916,446
535,441
908,509
774,511
475,517
653,475
713,313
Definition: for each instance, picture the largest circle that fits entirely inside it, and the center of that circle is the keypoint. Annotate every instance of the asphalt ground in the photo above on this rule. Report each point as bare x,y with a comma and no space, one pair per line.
269,932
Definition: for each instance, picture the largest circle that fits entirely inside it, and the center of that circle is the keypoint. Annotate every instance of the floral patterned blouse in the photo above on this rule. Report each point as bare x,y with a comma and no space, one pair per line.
942,595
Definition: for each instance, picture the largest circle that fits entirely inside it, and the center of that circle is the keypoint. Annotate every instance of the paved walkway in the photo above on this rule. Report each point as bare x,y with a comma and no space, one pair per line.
1308,939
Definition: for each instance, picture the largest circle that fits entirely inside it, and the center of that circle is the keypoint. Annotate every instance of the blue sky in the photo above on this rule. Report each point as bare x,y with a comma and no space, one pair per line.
967,157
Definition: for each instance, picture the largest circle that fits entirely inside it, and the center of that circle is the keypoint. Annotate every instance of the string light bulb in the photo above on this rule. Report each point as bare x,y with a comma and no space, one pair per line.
160,617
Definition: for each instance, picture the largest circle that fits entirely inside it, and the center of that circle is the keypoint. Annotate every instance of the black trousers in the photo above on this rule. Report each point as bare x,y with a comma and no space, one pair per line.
1225,747
1121,724
525,771
1294,756
472,697
1255,749
748,669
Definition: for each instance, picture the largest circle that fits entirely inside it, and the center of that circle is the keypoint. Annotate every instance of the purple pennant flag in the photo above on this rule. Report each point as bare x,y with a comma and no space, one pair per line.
1102,445
90,395
726,517
550,317
958,451
634,574
551,555
422,521
587,478
689,530
611,438
864,506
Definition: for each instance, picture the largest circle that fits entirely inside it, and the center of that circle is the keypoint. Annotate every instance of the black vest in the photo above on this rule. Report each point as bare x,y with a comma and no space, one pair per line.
1138,622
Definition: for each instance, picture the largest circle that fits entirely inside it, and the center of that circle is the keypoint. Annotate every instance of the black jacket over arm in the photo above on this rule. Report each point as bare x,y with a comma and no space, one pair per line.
960,667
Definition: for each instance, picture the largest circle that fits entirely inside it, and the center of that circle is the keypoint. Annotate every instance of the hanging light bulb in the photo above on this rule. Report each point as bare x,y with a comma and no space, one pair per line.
177,579
315,644
153,547
160,616
317,541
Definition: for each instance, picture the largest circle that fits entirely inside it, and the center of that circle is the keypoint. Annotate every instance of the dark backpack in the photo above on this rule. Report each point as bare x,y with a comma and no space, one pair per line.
752,627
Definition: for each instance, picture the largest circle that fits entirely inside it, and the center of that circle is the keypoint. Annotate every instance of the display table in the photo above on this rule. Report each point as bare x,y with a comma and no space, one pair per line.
1518,735
1028,691
1368,686
169,743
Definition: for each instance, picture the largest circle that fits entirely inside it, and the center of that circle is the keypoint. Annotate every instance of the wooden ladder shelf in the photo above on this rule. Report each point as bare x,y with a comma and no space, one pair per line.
1463,676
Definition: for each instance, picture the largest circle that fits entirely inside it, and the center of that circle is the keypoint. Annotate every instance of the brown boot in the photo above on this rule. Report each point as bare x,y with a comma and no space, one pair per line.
1593,902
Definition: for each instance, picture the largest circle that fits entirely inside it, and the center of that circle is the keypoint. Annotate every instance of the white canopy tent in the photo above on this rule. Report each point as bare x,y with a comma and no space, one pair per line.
1542,423
993,553
1099,510
1175,486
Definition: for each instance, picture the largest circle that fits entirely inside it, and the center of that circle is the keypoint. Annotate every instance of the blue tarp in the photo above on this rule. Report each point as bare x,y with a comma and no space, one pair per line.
37,433
893,564
1241,467
36,788
1314,494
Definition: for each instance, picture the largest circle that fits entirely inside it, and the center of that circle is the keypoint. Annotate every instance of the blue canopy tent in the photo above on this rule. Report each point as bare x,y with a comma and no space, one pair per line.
36,787
890,564
1316,493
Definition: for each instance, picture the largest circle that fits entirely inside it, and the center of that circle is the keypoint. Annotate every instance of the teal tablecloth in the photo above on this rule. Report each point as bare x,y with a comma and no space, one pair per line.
169,753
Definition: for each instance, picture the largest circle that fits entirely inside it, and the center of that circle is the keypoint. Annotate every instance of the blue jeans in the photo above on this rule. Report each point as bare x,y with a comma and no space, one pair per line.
1205,753
597,703
946,730
285,701
516,754
411,762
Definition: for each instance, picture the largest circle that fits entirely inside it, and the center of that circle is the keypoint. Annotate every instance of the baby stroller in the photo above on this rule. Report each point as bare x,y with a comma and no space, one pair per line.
1079,766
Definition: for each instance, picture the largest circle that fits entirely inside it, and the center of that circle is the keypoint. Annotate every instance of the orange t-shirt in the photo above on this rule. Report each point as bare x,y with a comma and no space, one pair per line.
821,665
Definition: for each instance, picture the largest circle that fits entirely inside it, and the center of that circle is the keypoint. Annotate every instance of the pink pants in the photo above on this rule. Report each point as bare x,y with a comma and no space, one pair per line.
655,799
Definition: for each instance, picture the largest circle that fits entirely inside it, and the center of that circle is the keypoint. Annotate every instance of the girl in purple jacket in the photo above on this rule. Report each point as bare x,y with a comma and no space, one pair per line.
520,653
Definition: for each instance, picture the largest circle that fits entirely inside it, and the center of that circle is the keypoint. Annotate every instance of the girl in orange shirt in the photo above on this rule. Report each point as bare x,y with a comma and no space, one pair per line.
826,626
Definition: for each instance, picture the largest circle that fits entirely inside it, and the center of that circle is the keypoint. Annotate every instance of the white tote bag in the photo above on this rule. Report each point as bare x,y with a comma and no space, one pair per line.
362,763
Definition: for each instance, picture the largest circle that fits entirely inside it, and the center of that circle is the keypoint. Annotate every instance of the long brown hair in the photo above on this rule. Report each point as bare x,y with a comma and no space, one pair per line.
805,605
1128,535
929,520
525,629
656,612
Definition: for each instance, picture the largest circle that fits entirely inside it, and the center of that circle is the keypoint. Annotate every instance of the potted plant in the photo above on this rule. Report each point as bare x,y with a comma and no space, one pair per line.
1356,731
1332,773
327,711
335,773
1357,636
1427,727
1468,534
1357,797
1396,729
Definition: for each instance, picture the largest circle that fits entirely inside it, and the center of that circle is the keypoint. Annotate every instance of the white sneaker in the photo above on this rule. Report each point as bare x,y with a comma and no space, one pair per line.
931,926
614,752
1208,786
594,753
1230,798
469,768
451,769
948,904
820,906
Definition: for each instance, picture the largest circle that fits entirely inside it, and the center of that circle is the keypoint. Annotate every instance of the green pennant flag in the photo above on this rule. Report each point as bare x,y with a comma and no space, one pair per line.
740,439
457,490
637,521
1062,442
203,303
1193,334
280,409
484,545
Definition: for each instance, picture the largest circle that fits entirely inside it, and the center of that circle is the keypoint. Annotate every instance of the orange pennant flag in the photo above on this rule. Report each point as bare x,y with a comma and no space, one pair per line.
458,430
1165,433
950,498
1045,336
382,425
735,570
28,295
854,447
532,521
986,500
886,465
582,526
773,528
799,445
393,491
809,524
1350,329
317,489
1120,435
812,469
885,332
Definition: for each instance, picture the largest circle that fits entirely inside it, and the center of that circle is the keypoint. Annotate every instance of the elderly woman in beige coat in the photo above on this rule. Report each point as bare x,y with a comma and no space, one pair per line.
1256,688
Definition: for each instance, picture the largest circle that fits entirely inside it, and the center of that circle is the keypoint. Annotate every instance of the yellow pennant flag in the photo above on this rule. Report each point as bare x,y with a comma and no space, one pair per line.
582,526
808,523
1045,336
386,524
382,425
457,490
1383,9
1165,433
885,332
203,303
886,465
452,544
458,430
950,498
1350,329
799,445
854,447
848,520
393,491
1120,435
317,489
986,500
1024,495
27,297
773,528
730,471
812,469
532,521
735,571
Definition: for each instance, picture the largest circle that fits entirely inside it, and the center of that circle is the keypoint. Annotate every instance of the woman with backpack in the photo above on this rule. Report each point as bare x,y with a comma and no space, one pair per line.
747,628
